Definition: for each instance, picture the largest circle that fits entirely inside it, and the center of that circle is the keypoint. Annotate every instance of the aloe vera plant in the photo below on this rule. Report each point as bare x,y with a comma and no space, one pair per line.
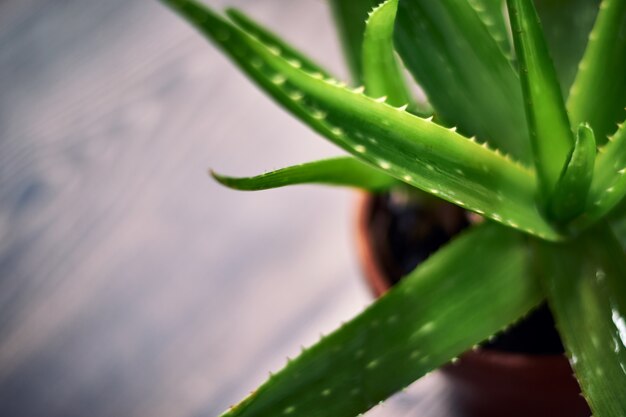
512,131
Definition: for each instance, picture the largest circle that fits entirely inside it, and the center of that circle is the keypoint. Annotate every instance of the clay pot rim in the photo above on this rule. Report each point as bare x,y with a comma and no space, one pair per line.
379,284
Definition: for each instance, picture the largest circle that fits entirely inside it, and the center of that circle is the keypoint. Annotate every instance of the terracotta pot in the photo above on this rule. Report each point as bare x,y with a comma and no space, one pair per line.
485,382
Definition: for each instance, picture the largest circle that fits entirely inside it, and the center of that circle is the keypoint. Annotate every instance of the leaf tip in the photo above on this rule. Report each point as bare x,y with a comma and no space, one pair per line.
216,176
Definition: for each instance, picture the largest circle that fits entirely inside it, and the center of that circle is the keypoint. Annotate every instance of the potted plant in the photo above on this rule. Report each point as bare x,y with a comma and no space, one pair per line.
543,171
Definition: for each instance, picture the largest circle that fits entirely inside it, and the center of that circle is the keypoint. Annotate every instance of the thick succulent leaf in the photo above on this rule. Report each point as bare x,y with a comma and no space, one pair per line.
467,291
608,186
350,17
566,26
270,39
381,74
491,12
343,171
411,149
587,294
598,95
550,132
463,71
570,196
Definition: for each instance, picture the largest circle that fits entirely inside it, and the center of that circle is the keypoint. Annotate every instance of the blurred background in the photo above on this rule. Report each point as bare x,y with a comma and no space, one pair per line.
130,283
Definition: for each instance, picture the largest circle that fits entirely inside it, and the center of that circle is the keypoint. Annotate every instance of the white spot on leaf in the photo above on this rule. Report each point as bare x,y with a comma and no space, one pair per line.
274,50
384,164
278,79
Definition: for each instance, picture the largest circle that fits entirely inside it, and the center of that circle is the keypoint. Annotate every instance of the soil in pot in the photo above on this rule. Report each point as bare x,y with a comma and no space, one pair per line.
521,372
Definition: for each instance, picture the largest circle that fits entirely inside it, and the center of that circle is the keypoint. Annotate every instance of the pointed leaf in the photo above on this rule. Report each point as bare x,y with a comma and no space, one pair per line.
470,289
463,71
345,171
598,95
587,295
550,132
272,40
350,19
570,196
414,150
566,26
381,74
608,186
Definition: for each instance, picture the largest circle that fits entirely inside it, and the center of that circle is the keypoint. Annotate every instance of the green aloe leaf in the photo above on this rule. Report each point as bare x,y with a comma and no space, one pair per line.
566,26
463,71
587,294
482,276
570,196
598,95
375,181
381,74
409,148
491,12
350,17
608,186
550,132
272,40
343,171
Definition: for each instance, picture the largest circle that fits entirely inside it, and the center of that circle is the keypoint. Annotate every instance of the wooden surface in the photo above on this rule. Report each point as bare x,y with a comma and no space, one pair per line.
131,284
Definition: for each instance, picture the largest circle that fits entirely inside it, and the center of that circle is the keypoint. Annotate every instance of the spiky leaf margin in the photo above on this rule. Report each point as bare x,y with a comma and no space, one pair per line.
411,149
483,278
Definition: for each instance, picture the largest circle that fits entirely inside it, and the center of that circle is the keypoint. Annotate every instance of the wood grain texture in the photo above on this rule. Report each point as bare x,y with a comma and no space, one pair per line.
131,284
